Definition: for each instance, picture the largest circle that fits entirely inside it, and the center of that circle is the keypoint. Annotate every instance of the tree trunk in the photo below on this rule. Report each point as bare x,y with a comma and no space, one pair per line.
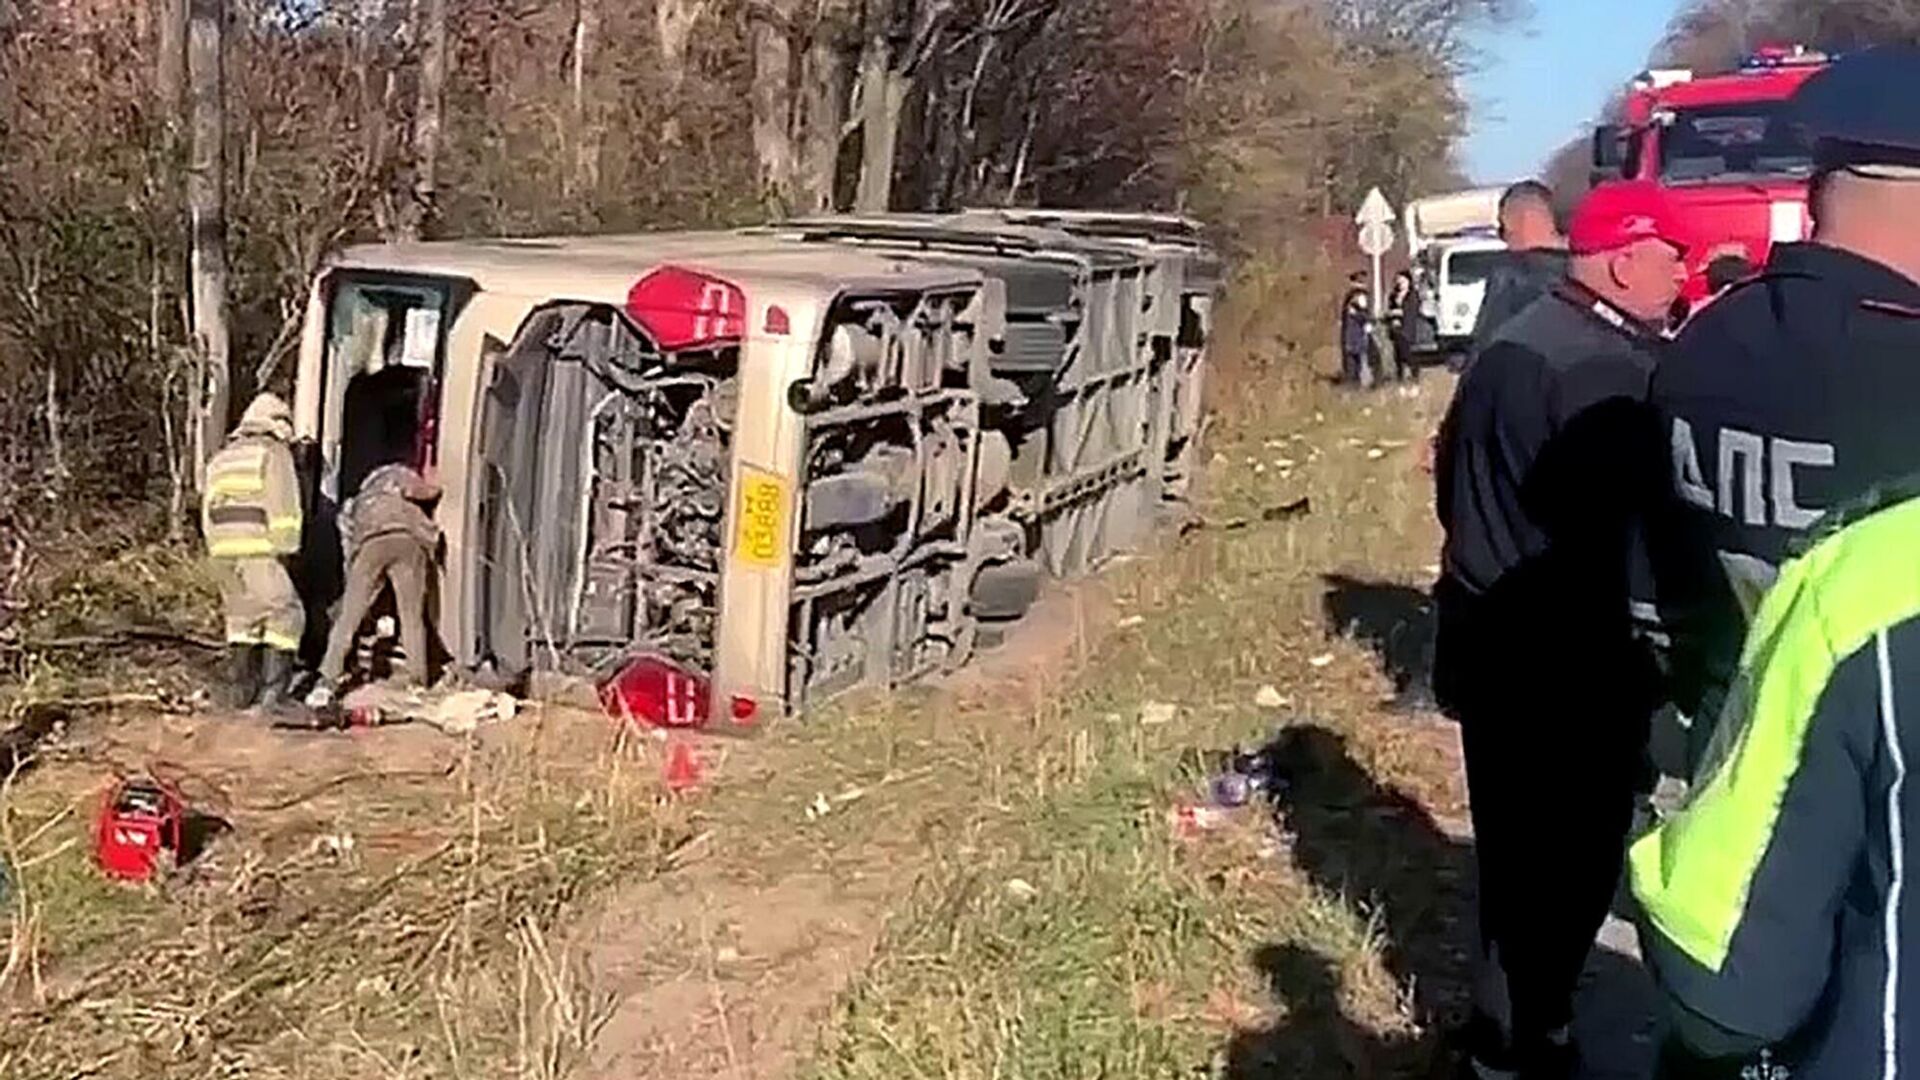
170,66
586,140
883,91
423,200
822,117
674,21
771,99
207,225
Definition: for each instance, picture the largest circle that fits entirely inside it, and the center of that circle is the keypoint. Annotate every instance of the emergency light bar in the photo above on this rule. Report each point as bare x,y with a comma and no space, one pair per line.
1779,56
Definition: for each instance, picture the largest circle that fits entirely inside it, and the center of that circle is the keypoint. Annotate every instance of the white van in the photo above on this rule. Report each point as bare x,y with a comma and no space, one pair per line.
1456,283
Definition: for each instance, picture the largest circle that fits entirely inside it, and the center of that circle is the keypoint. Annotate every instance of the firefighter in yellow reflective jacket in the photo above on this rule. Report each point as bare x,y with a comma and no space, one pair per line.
250,515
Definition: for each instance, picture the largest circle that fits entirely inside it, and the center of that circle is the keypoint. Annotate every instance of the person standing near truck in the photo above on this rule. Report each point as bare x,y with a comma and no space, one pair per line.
1535,259
1779,922
1356,317
1546,457
250,516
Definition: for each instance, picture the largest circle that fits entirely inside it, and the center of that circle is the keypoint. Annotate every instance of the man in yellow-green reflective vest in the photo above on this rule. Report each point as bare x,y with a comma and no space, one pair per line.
1777,914
250,516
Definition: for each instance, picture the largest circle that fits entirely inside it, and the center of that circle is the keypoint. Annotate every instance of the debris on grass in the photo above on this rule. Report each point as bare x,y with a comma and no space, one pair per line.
1158,713
1021,889
1131,621
1323,660
1270,697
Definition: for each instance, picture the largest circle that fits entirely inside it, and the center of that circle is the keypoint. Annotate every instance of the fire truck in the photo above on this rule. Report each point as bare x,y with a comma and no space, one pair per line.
1726,148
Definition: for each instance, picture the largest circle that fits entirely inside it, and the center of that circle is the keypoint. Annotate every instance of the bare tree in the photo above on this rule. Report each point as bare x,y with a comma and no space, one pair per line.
820,119
586,142
674,21
422,204
207,224
900,36
769,38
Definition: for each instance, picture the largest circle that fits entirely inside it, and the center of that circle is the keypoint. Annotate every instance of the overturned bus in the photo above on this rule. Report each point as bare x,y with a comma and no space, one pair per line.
735,473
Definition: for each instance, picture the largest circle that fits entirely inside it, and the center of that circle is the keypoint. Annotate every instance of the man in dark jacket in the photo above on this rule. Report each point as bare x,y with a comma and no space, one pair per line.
1546,457
1778,921
1535,259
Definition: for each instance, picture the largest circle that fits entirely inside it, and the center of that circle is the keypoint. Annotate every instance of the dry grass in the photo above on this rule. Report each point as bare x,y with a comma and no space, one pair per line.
377,923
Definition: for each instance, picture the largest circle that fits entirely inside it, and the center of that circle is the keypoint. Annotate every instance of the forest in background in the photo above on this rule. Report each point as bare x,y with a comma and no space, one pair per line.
173,171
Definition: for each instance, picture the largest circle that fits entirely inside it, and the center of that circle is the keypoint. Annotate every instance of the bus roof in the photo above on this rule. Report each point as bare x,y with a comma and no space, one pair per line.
604,268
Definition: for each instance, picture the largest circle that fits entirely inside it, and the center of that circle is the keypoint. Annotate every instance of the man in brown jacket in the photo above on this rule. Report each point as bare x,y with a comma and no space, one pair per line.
389,540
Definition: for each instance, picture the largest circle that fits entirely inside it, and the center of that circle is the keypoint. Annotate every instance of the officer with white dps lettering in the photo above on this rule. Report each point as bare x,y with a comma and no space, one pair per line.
1798,391
1777,918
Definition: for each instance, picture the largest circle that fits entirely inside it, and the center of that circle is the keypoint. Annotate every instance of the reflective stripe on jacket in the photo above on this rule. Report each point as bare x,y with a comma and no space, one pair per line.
1779,918
251,500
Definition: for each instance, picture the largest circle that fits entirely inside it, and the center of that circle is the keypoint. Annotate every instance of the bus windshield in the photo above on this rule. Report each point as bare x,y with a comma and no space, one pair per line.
1743,142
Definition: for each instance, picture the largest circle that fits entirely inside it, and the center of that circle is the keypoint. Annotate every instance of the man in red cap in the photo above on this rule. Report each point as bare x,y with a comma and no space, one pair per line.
1546,458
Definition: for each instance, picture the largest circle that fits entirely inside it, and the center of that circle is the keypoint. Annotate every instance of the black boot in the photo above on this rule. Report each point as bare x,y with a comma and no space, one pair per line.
276,678
242,684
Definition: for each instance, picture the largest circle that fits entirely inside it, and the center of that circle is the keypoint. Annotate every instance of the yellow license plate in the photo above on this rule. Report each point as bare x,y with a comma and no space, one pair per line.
761,536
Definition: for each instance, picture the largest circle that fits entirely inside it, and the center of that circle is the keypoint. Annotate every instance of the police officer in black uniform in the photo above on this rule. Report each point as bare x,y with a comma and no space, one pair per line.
1797,392
1547,458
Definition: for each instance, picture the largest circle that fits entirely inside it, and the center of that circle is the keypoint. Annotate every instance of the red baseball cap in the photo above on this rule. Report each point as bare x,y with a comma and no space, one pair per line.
1624,212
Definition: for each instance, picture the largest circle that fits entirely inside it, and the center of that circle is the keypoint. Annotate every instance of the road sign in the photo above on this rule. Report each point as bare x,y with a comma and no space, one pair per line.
1374,209
1376,238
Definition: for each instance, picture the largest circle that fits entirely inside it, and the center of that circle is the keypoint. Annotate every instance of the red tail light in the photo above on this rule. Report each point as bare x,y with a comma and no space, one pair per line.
684,309
745,710
653,691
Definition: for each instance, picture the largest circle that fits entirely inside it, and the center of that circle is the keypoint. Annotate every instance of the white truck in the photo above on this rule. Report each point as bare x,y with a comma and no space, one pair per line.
1452,242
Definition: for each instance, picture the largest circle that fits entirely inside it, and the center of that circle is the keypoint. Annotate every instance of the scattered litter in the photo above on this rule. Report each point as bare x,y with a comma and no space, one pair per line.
1021,889
1376,454
726,954
1157,713
464,712
1274,444
1260,469
1268,697
1322,660
1132,621
1189,820
1285,463
819,807
1242,776
1219,458
335,845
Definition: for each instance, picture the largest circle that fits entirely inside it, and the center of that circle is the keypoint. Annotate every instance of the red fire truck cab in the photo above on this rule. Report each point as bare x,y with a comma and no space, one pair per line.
1726,149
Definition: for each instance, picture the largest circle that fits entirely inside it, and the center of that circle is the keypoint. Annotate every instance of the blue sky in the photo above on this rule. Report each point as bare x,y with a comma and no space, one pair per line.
1537,82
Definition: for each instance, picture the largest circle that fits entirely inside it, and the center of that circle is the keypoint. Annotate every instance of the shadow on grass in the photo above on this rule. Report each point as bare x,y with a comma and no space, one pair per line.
1396,622
1381,850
